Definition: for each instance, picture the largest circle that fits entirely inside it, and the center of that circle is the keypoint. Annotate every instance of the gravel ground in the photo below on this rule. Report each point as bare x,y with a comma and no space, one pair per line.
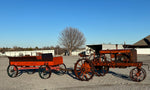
116,79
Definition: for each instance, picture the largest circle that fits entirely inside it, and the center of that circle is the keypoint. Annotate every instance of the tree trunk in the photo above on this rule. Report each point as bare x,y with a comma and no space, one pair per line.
70,52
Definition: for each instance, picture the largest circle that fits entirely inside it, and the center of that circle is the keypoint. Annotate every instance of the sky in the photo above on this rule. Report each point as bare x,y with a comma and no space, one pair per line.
31,23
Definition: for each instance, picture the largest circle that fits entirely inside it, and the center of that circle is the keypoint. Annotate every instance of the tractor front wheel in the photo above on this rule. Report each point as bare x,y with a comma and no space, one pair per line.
137,74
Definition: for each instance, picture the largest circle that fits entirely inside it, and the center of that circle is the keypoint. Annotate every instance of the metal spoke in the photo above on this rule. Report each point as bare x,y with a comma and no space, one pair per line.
89,74
81,68
86,77
78,68
137,74
79,64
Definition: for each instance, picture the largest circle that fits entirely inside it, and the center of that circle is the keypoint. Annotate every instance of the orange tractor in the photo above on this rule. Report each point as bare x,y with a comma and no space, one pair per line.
100,62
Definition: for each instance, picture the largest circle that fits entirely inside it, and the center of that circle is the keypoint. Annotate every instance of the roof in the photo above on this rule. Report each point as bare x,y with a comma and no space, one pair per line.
97,48
144,41
136,46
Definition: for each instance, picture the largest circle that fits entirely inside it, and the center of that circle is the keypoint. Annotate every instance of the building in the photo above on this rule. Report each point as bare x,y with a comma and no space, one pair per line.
23,53
99,47
142,46
144,42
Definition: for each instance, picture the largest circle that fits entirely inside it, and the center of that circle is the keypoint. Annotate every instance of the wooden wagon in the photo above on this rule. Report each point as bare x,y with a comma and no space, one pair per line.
44,63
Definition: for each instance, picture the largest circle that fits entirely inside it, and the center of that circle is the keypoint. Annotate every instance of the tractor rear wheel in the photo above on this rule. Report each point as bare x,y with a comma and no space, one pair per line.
84,70
101,70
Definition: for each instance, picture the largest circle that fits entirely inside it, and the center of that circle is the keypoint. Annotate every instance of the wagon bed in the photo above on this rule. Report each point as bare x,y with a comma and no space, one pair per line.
35,61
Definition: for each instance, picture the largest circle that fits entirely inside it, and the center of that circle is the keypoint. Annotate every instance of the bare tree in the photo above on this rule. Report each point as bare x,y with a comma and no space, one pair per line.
71,39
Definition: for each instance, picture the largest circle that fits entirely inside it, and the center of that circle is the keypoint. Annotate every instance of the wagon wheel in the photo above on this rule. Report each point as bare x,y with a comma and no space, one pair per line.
12,71
44,72
84,69
20,72
137,74
62,68
101,70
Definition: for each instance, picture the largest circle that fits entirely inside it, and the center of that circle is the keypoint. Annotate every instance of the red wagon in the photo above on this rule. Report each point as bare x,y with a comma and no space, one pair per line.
44,63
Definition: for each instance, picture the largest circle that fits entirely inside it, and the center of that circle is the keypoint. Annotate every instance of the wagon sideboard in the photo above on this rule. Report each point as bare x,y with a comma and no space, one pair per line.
35,61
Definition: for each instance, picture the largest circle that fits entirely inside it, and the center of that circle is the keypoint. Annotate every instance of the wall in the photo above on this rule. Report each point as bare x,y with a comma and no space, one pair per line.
104,47
111,46
31,53
143,50
139,50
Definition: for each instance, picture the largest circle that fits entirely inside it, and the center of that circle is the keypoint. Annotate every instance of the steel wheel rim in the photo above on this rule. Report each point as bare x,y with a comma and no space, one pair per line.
101,70
136,75
62,68
83,70
12,71
44,72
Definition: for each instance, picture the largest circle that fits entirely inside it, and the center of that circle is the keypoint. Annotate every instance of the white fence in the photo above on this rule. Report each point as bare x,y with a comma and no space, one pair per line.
23,53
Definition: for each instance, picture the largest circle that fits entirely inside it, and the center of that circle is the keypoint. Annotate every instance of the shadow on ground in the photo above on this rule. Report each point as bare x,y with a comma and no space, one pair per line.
20,72
122,76
71,73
